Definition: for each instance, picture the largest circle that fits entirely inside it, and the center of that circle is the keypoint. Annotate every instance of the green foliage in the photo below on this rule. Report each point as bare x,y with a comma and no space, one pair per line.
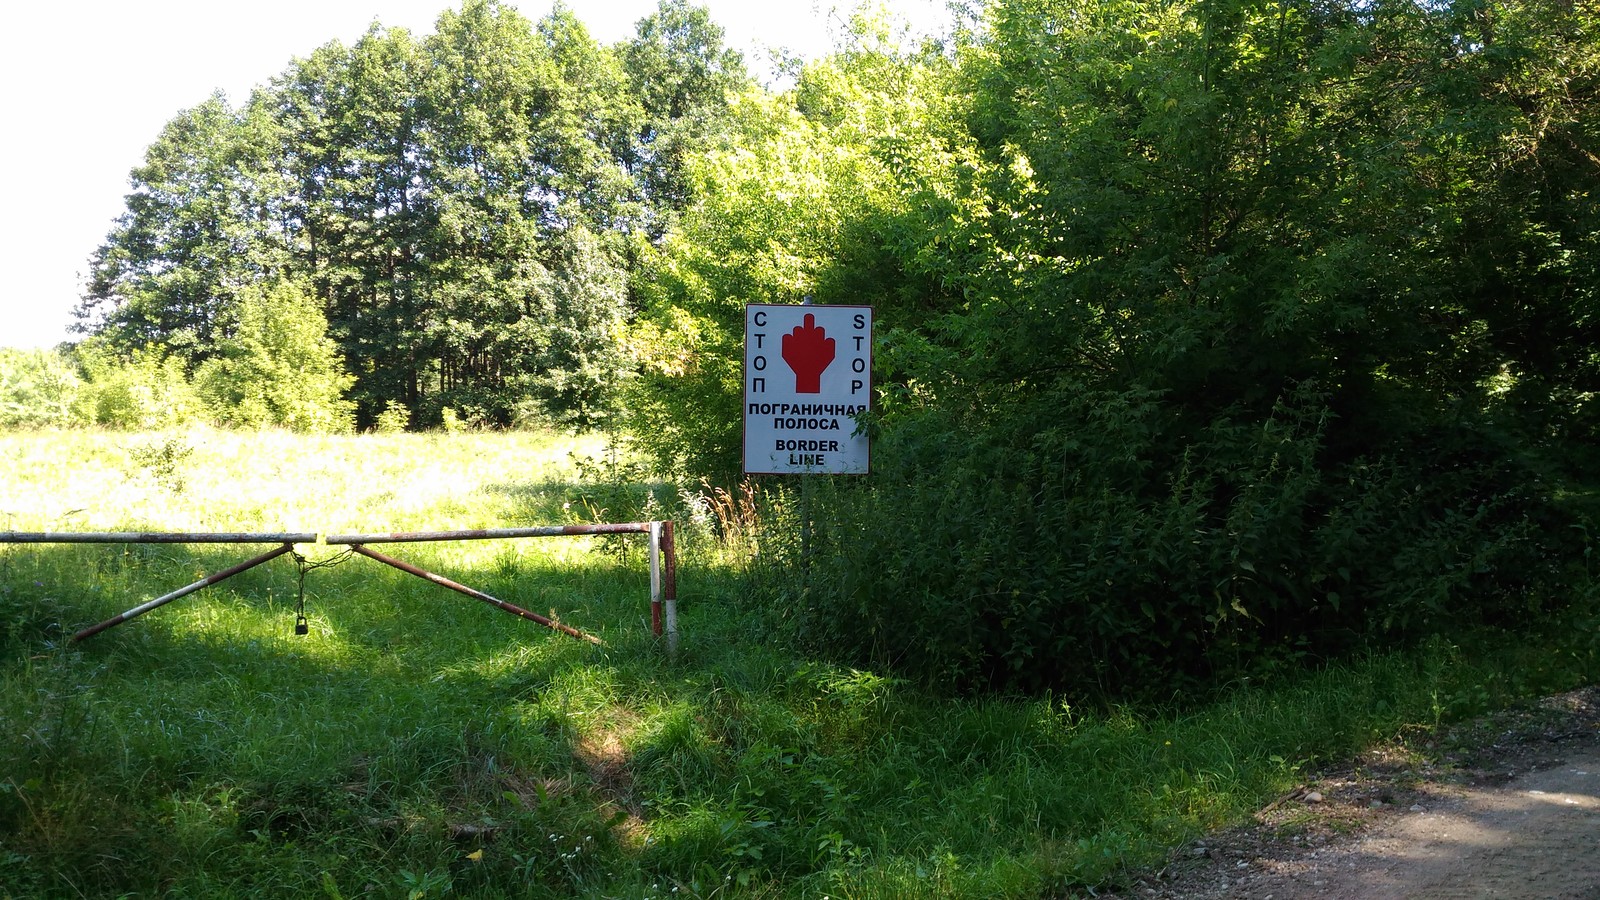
684,79
278,368
394,419
1212,337
466,209
164,459
812,198
275,368
37,389
450,422
1191,362
1075,557
191,236
148,390
579,317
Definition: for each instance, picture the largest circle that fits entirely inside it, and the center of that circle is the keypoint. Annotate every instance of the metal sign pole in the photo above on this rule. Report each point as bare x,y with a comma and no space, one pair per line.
805,530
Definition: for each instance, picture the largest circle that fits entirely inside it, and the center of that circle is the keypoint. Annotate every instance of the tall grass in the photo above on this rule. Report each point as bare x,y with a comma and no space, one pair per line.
418,744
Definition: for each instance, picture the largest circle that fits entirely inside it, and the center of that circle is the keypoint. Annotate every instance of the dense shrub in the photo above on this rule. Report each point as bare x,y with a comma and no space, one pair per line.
37,388
279,368
1201,348
1094,554
148,390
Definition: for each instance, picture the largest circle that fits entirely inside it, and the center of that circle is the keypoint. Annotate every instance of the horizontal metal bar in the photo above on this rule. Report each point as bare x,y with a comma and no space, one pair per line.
205,582
153,537
489,533
474,594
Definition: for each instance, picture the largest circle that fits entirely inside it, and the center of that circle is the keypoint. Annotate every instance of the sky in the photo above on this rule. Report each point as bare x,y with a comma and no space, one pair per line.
88,86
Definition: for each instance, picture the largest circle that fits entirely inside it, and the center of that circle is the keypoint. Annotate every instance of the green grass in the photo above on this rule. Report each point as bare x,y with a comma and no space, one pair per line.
417,743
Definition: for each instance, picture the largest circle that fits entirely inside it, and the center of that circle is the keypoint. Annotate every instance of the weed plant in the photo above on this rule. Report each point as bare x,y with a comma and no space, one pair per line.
416,743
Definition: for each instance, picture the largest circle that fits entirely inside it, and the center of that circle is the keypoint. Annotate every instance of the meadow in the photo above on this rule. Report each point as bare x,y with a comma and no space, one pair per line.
415,743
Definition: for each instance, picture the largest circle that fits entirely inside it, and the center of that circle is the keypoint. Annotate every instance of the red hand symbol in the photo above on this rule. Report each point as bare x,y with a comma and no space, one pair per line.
809,352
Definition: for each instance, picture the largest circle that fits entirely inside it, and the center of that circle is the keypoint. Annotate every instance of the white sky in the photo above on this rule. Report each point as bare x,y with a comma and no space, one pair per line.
87,86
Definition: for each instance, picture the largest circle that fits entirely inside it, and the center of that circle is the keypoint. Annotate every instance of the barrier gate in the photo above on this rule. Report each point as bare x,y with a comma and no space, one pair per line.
663,564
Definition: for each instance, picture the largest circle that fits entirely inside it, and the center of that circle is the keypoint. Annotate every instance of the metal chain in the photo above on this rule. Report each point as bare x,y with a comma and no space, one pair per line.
301,624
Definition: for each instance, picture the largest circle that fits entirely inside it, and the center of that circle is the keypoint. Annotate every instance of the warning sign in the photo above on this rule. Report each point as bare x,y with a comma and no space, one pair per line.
807,375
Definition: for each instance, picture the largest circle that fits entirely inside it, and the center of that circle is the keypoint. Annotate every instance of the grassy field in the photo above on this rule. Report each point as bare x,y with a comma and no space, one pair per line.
419,744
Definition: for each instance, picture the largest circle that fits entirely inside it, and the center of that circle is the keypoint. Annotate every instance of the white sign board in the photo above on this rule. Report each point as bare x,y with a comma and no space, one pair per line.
807,375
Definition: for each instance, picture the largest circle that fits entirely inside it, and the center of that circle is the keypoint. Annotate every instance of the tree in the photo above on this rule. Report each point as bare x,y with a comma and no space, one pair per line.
141,389
1185,316
575,329
279,368
359,210
427,193
837,191
191,236
684,78
1221,340
523,121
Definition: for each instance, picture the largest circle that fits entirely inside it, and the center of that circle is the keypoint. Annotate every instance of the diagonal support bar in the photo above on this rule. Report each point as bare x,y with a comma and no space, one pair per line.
474,594
207,581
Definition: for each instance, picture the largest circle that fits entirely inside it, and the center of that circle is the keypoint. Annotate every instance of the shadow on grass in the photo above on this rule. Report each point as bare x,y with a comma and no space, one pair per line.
416,738
402,687
420,724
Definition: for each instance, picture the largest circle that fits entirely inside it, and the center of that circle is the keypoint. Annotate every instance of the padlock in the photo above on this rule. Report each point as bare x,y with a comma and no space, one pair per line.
301,626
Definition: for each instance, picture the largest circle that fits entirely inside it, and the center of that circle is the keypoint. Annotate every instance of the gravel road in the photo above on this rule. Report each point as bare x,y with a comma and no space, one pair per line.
1507,806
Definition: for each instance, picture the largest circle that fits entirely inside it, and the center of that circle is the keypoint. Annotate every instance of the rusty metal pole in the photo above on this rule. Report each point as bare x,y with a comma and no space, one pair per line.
484,534
474,594
669,586
181,592
154,537
806,538
663,574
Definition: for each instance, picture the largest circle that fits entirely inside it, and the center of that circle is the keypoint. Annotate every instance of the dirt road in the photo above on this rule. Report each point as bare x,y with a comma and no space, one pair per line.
1504,807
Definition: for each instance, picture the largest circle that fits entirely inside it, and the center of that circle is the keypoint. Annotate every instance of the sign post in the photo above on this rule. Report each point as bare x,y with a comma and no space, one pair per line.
807,376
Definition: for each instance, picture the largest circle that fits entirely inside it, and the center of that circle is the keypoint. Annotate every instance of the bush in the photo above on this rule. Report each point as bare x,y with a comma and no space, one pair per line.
279,368
394,419
148,391
37,388
1105,553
